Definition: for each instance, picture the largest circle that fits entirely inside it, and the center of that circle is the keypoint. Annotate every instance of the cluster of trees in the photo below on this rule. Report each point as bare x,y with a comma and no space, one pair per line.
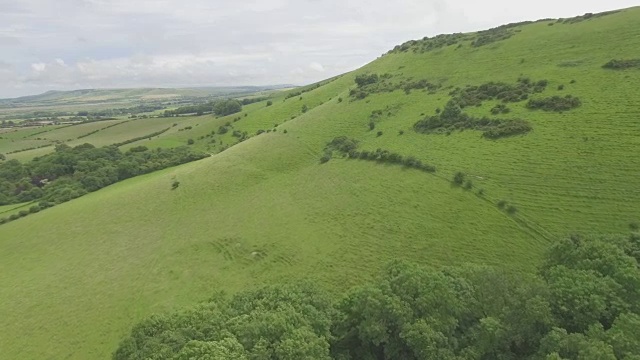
481,38
555,103
366,79
420,85
452,118
368,84
582,304
476,95
219,108
622,64
70,172
248,101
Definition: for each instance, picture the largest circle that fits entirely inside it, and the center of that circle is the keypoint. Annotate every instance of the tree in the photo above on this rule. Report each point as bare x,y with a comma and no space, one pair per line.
227,107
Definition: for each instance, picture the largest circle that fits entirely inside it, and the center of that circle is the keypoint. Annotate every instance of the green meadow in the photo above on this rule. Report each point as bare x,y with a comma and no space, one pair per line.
264,210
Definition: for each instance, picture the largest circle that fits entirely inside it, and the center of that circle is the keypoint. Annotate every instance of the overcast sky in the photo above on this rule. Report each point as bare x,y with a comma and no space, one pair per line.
72,44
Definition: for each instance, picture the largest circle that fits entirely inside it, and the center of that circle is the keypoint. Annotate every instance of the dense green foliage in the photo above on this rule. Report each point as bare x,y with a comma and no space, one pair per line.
368,84
476,95
584,304
452,118
72,172
555,103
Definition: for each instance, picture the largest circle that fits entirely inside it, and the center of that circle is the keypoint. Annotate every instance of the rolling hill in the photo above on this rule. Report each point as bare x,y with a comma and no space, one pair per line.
264,209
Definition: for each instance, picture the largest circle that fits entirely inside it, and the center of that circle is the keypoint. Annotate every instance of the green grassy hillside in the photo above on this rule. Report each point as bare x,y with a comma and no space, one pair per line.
77,276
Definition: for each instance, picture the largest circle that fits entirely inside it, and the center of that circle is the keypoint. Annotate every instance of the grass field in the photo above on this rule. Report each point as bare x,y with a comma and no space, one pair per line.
77,276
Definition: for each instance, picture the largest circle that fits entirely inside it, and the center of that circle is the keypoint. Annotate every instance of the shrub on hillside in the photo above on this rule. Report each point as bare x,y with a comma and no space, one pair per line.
458,178
468,185
622,64
366,79
554,103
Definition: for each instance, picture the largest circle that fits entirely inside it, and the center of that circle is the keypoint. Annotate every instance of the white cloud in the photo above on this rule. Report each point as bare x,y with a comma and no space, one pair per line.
39,67
116,43
316,66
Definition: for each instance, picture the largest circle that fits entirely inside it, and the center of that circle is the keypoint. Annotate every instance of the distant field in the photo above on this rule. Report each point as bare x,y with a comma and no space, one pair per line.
76,277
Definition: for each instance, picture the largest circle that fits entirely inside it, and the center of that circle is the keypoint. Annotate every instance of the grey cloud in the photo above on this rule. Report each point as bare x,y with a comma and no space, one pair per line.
124,43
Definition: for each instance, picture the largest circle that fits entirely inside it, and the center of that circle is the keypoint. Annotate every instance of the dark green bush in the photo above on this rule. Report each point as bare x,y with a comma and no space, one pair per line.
326,157
511,209
458,178
366,79
501,204
379,133
554,103
622,64
190,142
468,185
175,184
342,144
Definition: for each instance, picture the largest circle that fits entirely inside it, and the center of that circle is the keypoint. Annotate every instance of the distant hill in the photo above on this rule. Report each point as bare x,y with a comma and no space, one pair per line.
474,148
97,96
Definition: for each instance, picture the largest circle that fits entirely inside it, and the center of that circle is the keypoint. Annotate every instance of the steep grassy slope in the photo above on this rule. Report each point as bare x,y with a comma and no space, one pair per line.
75,277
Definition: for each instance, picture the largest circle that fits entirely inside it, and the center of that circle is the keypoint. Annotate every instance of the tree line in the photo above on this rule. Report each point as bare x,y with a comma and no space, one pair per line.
583,303
219,108
70,172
